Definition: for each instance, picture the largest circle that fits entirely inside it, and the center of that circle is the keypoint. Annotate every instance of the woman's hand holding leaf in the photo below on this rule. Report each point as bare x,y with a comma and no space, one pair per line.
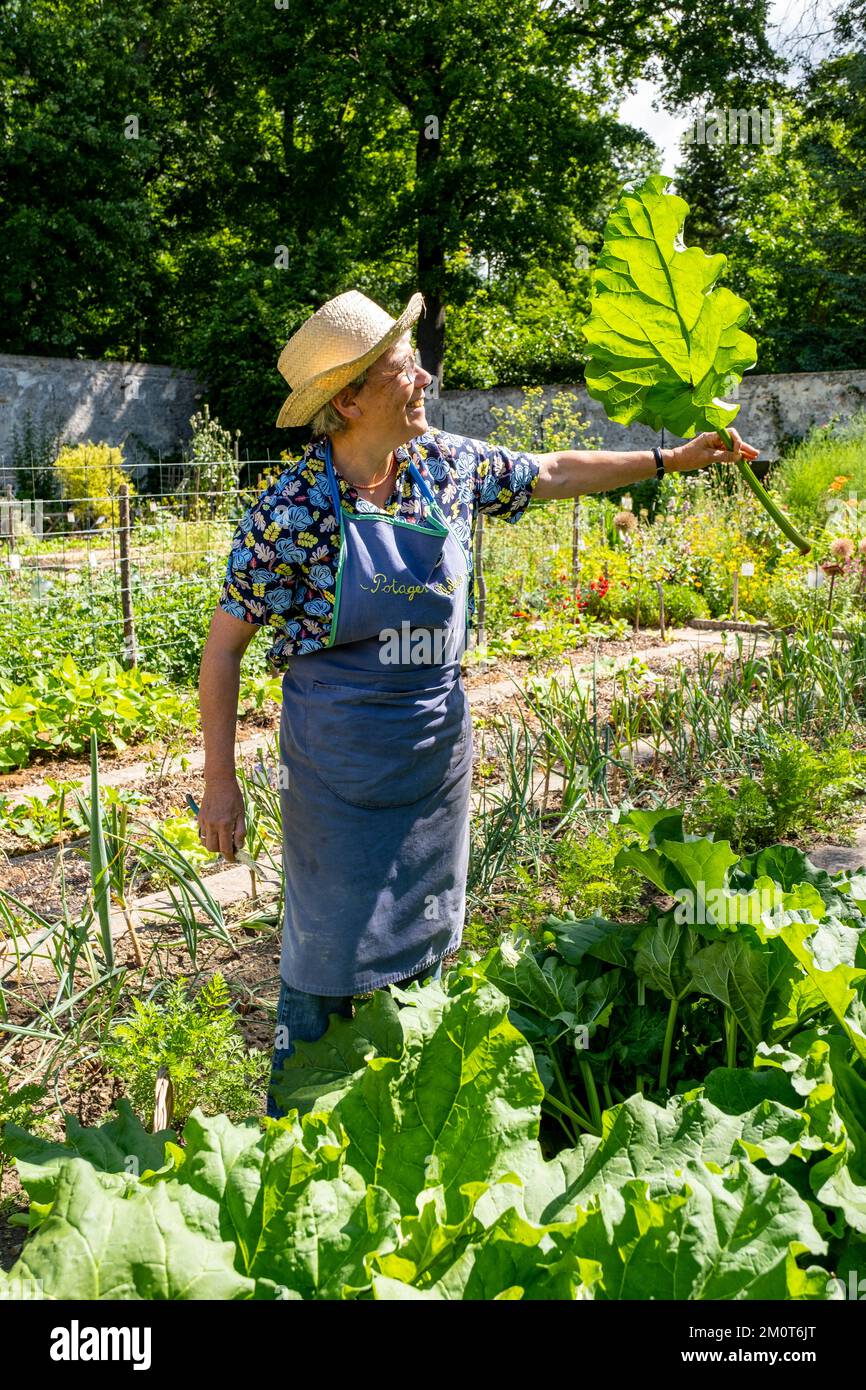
709,448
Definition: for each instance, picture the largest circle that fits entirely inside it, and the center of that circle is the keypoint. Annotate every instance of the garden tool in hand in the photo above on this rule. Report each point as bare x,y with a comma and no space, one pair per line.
241,855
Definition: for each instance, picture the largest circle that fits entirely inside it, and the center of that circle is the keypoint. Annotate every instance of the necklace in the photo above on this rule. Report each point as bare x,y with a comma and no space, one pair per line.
368,487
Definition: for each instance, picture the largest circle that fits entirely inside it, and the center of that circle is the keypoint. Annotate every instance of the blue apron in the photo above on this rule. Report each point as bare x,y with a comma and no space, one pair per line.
376,747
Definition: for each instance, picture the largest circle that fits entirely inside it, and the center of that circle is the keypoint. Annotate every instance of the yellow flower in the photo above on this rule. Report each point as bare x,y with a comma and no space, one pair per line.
249,539
271,532
305,539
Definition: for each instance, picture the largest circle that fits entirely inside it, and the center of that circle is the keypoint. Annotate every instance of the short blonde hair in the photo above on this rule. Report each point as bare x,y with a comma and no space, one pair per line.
328,420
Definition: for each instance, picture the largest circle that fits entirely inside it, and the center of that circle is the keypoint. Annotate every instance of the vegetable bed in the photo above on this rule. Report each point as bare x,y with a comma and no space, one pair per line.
672,1109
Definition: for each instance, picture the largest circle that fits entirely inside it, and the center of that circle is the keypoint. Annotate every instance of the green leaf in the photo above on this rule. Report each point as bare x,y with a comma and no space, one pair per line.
318,1074
662,956
840,1180
146,1246
122,1145
724,1235
665,343
821,951
464,1093
695,872
592,936
747,978
655,826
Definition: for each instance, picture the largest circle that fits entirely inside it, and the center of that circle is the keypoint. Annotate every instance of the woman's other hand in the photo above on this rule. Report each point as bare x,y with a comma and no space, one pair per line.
221,824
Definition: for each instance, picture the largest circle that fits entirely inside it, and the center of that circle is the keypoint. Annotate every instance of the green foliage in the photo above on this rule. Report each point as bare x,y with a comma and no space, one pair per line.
172,620
602,1115
587,879
640,603
824,476
806,785
540,426
504,336
211,471
791,216
181,832
197,1039
740,813
59,708
20,1108
415,1125
40,820
35,446
90,475
797,789
303,179
665,344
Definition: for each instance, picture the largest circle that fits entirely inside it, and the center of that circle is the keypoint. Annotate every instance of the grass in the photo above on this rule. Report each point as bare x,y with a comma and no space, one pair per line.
827,454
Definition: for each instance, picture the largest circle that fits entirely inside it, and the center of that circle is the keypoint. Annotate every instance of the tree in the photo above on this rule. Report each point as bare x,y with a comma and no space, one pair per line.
279,155
791,217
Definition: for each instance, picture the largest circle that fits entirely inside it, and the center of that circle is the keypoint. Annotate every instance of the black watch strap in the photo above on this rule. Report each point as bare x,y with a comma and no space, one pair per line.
660,463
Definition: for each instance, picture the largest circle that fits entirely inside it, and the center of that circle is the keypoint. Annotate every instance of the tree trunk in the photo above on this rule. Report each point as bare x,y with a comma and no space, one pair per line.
430,333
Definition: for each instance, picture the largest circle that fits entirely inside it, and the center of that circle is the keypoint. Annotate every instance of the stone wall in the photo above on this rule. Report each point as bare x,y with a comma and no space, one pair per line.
773,409
144,408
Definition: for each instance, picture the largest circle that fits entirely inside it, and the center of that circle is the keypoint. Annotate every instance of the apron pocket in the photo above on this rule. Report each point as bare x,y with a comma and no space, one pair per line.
380,748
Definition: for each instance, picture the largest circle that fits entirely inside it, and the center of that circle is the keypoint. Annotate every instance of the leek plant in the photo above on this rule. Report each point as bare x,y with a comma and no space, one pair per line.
506,823
189,893
576,740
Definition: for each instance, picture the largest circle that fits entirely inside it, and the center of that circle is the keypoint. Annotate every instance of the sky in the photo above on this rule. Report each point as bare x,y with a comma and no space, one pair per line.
790,21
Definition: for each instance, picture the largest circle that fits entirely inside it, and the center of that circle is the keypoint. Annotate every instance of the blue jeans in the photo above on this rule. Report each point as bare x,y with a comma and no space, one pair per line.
305,1017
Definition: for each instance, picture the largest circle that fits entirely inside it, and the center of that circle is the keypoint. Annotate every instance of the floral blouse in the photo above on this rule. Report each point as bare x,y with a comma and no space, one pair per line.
282,566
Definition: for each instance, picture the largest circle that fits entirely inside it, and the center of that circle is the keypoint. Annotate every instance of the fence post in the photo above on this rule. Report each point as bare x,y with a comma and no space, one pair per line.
129,645
480,584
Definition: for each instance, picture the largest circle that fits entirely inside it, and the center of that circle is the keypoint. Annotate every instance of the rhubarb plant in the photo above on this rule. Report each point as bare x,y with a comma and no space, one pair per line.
666,342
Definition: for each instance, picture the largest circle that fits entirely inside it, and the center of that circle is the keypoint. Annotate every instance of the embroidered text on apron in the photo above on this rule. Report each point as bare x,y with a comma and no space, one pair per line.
376,743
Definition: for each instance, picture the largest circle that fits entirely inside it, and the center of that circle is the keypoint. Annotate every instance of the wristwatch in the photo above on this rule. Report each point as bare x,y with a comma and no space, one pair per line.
660,464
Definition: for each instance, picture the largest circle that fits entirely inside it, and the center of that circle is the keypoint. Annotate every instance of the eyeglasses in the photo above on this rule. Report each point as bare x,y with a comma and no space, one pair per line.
411,367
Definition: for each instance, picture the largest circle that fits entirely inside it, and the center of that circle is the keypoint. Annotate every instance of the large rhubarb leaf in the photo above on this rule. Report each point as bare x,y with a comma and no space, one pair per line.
666,343
461,1100
723,1235
139,1243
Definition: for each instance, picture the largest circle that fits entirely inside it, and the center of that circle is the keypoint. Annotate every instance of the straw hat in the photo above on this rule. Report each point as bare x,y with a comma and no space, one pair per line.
334,346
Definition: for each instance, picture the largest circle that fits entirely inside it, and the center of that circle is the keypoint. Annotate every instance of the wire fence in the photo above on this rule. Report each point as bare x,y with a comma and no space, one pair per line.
137,578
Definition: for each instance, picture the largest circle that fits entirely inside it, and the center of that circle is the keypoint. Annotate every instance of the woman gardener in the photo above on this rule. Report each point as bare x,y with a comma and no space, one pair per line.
359,560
